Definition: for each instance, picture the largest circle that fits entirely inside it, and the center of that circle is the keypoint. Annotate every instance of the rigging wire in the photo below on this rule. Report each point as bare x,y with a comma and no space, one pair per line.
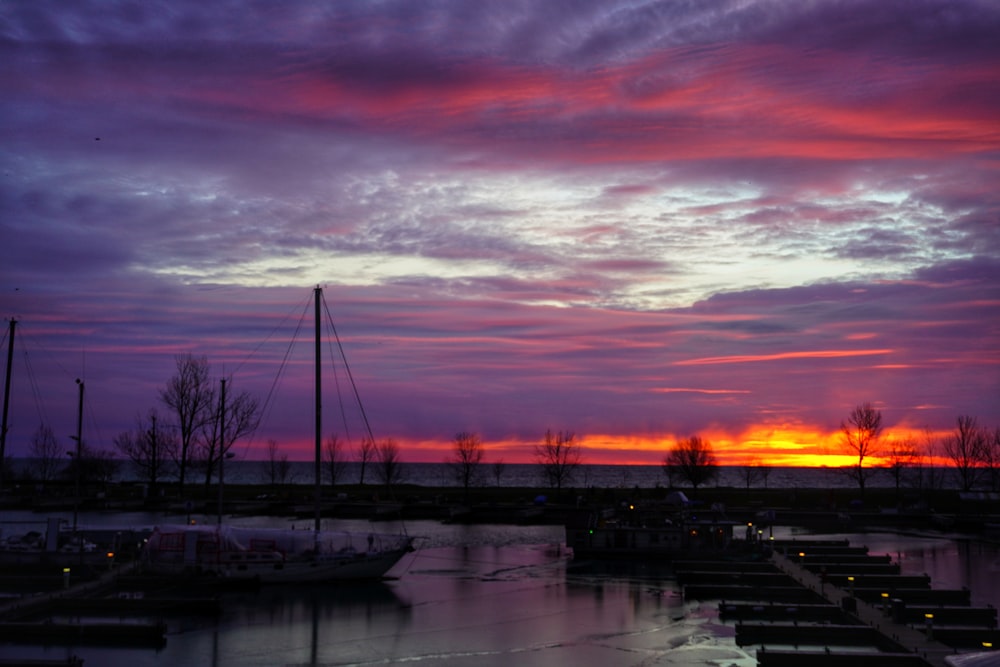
340,395
271,335
268,406
36,392
347,368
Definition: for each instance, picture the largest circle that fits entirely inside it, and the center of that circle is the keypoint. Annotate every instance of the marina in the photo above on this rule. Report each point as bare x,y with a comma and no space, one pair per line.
487,594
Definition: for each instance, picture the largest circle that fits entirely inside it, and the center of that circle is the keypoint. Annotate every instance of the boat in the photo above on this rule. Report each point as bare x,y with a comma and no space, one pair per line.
662,534
275,555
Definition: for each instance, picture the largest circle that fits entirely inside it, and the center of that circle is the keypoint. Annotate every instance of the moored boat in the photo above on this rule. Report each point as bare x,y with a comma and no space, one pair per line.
662,534
273,555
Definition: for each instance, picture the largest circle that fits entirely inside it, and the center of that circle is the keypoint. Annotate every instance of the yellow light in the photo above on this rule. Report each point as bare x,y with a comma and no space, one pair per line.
850,578
111,554
929,617
65,570
802,554
987,644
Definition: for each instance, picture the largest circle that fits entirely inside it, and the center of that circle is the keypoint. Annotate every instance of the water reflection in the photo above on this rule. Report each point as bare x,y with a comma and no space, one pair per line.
494,596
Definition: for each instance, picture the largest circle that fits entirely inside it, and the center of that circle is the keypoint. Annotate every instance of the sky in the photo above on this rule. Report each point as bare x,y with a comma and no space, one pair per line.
631,221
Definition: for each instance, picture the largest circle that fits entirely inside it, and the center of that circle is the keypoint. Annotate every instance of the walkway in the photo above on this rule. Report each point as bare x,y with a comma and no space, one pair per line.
910,639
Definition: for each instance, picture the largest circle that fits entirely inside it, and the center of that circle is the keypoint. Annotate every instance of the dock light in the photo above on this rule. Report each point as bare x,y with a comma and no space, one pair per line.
65,577
850,581
987,644
885,603
930,625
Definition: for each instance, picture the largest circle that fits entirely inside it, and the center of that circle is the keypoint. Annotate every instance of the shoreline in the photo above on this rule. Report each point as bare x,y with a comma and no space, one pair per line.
818,508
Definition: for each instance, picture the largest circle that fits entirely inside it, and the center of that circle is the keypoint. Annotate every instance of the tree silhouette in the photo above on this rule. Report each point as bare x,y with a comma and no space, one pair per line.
388,466
861,433
45,454
692,460
191,399
467,454
333,456
150,447
966,448
558,455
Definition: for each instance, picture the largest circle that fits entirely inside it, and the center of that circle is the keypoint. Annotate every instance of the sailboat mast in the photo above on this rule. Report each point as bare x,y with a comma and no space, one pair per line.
6,399
319,405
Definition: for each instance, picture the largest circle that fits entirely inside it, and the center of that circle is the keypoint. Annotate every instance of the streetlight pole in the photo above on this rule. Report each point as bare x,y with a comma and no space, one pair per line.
6,399
222,445
79,447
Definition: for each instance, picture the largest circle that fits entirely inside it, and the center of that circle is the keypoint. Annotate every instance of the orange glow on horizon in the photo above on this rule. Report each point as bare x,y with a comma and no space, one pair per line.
785,445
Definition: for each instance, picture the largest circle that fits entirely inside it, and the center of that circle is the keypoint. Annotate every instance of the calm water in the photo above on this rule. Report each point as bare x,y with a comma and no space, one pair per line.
528,475
490,596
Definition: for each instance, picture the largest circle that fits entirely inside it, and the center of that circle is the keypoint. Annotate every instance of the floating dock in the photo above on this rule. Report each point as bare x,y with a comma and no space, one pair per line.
843,606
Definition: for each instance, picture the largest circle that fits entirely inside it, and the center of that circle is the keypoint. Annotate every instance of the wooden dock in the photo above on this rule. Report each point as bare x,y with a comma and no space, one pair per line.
842,606
879,618
16,627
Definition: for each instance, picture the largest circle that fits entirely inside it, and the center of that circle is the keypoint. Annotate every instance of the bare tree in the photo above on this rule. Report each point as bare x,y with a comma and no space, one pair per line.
751,473
467,454
333,457
926,474
993,458
366,454
901,456
765,473
559,455
215,438
45,454
861,433
191,399
499,467
149,447
692,460
966,448
389,468
277,469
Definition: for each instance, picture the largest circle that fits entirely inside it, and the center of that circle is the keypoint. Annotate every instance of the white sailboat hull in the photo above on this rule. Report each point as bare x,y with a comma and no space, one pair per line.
272,556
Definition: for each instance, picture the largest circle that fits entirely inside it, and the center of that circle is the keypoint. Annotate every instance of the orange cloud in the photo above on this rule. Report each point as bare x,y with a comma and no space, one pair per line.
807,354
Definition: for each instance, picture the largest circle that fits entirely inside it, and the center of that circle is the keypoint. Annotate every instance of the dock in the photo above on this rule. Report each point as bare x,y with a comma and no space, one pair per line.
19,618
838,605
878,618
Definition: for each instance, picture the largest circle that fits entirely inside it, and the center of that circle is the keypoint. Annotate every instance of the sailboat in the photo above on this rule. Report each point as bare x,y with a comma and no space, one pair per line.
270,555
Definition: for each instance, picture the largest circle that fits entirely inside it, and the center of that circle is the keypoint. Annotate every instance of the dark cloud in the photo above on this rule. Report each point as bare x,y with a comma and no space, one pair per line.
614,218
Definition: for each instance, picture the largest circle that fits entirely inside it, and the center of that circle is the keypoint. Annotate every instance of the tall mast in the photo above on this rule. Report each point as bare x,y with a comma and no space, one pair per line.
6,399
317,292
77,461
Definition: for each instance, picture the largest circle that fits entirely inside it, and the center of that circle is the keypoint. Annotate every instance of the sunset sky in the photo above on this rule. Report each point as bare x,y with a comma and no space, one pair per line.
635,221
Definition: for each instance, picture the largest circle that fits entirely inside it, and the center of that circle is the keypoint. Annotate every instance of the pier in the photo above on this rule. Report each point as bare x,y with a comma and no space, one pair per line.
824,596
29,619
878,618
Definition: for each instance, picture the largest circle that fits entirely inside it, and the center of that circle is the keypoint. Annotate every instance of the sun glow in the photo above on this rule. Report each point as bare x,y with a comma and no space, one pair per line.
785,445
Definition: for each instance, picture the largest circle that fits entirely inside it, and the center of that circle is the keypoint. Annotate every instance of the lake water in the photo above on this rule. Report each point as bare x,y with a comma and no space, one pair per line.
530,475
493,596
